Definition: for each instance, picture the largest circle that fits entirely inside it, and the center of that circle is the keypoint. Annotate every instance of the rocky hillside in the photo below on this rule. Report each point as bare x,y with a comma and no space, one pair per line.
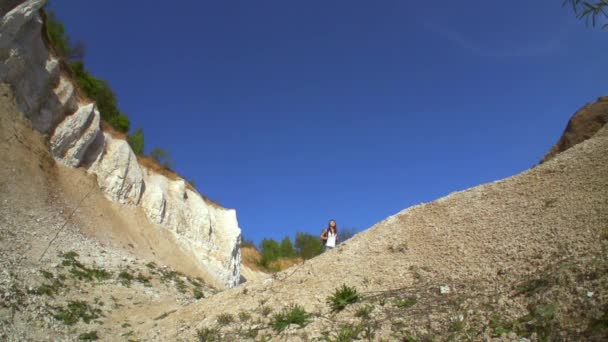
46,94
582,126
521,258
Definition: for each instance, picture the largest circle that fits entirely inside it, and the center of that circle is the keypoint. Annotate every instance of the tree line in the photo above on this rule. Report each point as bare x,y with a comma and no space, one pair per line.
304,246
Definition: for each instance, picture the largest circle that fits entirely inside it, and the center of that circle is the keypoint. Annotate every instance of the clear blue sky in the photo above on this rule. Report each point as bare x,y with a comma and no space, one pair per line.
294,112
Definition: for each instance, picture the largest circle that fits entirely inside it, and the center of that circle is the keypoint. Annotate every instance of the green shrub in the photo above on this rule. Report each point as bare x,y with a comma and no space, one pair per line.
347,333
225,319
405,303
499,325
90,336
46,274
198,294
143,279
80,271
308,245
136,141
125,278
244,316
57,36
265,310
120,122
99,91
49,289
533,286
540,320
208,335
162,157
75,311
342,297
364,311
294,314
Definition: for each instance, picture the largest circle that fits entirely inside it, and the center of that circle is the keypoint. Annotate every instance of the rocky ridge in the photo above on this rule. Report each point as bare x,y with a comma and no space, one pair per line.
45,93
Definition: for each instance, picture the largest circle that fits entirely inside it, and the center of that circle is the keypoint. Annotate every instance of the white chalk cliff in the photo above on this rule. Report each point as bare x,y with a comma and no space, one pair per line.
47,96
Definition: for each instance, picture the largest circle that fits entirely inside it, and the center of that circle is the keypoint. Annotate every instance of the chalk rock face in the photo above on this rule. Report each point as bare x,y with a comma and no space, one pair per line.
48,98
118,173
25,62
75,134
61,103
206,229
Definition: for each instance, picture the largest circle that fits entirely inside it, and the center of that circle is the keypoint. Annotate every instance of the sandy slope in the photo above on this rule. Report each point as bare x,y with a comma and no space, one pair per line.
488,238
37,198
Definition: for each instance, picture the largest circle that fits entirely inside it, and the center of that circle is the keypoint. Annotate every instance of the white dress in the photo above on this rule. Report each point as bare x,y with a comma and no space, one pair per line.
331,239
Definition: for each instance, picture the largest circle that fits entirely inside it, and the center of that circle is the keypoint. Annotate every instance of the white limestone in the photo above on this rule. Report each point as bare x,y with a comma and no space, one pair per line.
48,97
118,173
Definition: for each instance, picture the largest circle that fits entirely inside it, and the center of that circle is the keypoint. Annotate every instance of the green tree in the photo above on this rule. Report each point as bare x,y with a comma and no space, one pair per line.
57,36
99,91
308,245
270,251
593,12
162,157
136,140
60,40
287,250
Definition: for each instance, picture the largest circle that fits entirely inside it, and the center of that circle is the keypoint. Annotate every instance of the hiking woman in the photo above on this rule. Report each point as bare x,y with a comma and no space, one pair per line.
330,235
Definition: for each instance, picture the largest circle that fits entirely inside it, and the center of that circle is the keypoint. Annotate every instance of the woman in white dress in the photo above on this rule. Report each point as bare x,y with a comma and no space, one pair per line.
330,235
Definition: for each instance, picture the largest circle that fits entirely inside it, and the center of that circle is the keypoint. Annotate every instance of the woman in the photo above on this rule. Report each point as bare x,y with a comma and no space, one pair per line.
330,235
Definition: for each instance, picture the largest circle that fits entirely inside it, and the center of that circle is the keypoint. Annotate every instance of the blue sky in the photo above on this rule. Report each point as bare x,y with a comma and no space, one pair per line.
294,112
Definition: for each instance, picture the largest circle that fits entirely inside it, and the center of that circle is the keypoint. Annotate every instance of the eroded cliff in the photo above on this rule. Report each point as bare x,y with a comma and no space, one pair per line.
45,93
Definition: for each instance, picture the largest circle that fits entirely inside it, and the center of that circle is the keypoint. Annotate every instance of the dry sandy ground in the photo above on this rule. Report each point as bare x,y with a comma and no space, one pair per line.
530,250
41,201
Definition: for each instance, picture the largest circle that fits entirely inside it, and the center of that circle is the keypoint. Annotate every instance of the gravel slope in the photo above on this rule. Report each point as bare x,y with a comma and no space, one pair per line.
484,242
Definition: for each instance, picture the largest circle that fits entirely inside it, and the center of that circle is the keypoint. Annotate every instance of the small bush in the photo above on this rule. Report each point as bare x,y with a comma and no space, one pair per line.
342,297
49,289
599,325
347,333
265,310
365,311
121,122
136,141
143,279
198,294
499,325
57,36
244,316
125,278
80,271
533,286
46,274
99,91
406,302
208,335
90,274
90,336
162,157
540,320
225,319
75,311
294,314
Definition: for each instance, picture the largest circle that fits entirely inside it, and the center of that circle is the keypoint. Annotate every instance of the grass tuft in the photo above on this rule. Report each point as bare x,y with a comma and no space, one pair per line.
294,314
75,311
342,297
225,319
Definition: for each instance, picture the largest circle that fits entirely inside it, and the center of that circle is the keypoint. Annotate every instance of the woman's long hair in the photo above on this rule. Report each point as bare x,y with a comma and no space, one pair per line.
335,226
